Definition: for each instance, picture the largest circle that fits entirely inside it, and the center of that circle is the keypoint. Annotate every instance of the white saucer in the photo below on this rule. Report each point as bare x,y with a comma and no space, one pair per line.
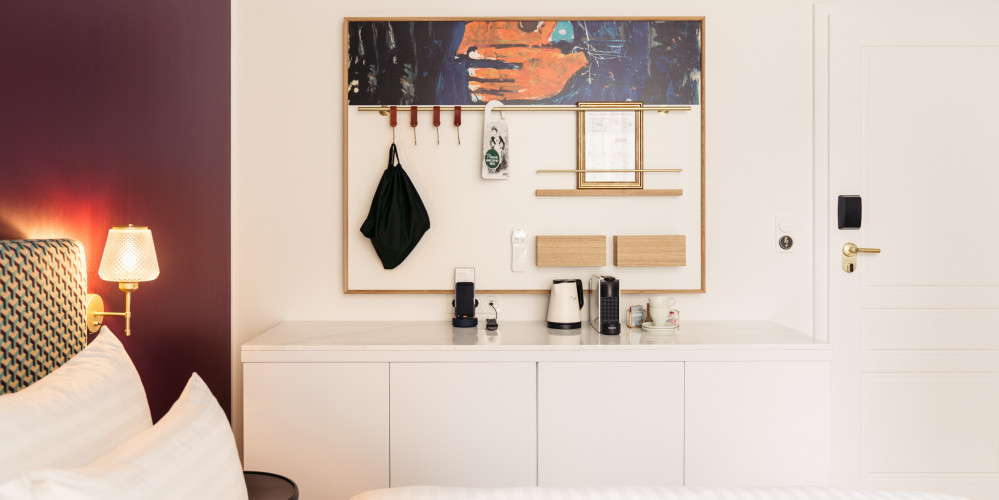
649,327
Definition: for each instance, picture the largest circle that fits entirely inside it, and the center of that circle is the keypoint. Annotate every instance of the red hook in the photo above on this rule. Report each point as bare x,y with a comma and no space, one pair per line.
412,121
437,123
393,121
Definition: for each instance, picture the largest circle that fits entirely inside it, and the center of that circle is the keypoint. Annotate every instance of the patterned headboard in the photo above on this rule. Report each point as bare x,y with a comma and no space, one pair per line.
43,294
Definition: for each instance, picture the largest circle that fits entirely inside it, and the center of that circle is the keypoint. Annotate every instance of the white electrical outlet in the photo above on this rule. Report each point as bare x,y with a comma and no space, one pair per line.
484,309
785,232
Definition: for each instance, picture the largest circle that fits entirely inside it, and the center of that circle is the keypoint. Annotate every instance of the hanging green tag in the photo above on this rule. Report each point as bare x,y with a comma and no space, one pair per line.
492,159
495,157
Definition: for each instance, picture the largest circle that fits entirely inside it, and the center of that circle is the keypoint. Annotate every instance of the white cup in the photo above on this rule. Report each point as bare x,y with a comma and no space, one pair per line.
659,315
662,301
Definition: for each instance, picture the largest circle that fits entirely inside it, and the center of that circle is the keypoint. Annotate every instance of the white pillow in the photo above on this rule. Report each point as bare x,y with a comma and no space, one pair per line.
76,414
190,453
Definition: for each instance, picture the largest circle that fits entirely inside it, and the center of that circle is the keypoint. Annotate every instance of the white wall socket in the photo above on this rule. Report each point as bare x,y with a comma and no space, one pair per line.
483,309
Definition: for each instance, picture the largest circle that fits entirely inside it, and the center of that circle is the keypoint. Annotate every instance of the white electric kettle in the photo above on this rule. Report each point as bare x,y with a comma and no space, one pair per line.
565,303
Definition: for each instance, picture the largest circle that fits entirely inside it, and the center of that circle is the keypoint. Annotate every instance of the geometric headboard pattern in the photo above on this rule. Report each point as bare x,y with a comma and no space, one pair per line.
43,294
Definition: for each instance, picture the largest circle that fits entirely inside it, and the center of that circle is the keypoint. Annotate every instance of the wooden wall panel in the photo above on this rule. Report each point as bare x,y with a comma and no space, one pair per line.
586,251
649,251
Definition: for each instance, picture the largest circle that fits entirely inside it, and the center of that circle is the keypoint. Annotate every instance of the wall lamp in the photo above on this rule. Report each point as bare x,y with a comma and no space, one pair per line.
129,257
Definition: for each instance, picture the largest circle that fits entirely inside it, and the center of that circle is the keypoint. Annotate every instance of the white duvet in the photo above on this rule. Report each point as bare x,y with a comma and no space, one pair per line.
625,493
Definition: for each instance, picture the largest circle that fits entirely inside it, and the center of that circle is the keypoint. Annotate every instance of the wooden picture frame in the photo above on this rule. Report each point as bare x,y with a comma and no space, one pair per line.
609,140
354,281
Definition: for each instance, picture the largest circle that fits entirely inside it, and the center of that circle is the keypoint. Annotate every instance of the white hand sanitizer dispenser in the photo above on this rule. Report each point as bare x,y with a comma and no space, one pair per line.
518,249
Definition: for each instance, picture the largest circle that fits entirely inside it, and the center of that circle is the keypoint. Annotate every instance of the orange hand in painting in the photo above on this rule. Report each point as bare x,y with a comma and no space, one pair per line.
541,70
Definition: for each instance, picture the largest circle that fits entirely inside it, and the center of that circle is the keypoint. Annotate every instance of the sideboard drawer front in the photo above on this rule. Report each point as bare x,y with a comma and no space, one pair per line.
324,425
464,424
610,424
757,424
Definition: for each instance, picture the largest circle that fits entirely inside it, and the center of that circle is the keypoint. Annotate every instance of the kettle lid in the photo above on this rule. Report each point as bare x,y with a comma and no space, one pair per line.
563,281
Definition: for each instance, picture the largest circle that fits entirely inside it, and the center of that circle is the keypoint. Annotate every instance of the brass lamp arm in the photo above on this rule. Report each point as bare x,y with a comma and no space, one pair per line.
124,314
95,309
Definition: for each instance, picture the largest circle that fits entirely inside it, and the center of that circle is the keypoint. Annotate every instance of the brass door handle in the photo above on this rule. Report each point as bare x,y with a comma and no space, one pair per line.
852,249
850,252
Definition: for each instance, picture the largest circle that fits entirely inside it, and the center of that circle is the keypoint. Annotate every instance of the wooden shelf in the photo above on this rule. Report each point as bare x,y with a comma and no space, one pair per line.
608,192
608,170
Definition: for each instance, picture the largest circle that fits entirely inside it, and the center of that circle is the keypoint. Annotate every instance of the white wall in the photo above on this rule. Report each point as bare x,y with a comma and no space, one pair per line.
287,140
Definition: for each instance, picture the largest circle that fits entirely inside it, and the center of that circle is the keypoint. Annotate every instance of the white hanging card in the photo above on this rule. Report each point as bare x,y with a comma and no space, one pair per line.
495,144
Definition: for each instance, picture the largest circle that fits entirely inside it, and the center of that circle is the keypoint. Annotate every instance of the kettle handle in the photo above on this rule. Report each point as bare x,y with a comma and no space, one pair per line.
579,292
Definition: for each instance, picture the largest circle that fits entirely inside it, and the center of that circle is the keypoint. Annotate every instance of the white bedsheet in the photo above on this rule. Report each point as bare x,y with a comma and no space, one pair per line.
629,493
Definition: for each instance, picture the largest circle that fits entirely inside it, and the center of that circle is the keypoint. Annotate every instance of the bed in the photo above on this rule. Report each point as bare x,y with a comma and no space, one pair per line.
74,419
75,424
626,493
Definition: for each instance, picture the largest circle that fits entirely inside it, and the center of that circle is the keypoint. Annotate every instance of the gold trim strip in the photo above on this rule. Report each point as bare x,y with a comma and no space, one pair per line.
539,107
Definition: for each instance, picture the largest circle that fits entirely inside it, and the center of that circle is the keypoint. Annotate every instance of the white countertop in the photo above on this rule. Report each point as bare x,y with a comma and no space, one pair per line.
527,340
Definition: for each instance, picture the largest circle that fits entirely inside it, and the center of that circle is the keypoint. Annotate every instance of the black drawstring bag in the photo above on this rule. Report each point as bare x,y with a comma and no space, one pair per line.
397,218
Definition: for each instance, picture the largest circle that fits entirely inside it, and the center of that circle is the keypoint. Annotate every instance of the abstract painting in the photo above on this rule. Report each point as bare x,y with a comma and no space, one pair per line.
452,62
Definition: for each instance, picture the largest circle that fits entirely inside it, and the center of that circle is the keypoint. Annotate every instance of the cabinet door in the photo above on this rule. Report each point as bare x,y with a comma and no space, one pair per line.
610,424
324,425
757,423
464,424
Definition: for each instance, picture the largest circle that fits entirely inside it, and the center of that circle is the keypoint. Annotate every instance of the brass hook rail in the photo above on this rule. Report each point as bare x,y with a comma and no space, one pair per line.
540,107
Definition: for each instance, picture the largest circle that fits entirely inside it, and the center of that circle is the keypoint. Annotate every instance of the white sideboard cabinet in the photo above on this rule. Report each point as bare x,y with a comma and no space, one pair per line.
344,407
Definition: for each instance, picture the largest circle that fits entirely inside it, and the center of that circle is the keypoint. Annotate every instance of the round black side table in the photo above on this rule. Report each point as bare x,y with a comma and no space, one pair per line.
267,486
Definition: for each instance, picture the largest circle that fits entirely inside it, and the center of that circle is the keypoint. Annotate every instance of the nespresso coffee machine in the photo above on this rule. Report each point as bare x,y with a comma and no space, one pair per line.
605,304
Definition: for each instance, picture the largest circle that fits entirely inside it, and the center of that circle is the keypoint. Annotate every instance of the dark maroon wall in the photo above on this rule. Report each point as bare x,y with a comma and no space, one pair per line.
117,112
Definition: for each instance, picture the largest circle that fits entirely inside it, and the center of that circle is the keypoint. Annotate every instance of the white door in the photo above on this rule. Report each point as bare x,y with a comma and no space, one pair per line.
907,117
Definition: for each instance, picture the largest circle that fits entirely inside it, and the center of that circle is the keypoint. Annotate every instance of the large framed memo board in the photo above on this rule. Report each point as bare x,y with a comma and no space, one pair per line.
410,82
